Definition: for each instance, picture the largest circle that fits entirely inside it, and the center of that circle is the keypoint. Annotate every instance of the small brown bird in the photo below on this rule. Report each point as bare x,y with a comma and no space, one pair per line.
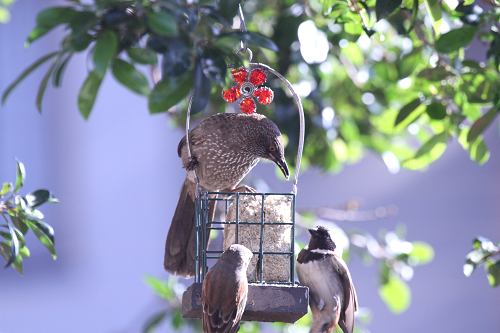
224,292
224,148
332,296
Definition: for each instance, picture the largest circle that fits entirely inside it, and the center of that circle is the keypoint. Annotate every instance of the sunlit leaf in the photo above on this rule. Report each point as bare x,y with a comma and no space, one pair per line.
422,252
14,246
455,39
20,176
44,233
493,272
410,111
434,10
396,294
38,197
6,188
482,123
428,153
161,288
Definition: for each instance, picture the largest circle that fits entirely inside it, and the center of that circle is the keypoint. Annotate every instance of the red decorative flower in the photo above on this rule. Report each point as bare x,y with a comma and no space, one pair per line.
248,89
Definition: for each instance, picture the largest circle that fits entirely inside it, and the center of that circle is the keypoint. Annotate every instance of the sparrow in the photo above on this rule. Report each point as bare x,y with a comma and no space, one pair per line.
332,297
224,148
225,290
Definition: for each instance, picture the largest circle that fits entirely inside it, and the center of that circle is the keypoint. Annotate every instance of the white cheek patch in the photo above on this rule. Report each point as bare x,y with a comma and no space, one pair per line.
321,251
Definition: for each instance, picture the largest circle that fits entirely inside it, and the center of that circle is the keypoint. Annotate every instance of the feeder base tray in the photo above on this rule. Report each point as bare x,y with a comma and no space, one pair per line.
271,303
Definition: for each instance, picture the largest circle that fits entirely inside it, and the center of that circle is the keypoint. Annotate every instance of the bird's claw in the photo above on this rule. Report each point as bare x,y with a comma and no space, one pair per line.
192,164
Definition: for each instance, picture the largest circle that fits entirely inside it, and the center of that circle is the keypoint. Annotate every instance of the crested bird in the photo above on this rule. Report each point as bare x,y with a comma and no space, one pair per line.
332,295
225,290
224,148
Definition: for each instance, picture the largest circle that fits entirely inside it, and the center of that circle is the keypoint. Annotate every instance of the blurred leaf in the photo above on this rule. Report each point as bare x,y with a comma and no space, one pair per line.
177,320
18,223
409,63
202,89
20,177
214,66
477,148
176,58
38,197
396,294
455,39
435,74
161,288
229,8
130,77
14,246
422,252
169,92
162,22
60,69
493,272
434,10
88,93
428,153
252,38
6,188
482,123
43,84
326,5
18,261
384,8
408,110
436,110
104,50
141,55
44,233
28,70
153,322
48,19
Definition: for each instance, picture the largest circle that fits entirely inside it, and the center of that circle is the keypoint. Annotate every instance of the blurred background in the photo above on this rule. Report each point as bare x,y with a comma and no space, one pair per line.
117,177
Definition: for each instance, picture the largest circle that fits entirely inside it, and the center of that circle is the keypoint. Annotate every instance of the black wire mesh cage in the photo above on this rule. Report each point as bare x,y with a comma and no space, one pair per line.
263,222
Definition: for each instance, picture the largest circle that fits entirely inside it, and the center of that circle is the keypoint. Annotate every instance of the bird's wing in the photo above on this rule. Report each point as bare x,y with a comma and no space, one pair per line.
350,302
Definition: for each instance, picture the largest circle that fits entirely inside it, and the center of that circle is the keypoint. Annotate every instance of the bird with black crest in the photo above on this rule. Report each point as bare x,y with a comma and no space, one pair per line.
332,296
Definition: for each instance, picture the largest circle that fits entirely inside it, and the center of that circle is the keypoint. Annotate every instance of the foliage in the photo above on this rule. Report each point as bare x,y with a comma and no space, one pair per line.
388,75
23,217
4,10
483,253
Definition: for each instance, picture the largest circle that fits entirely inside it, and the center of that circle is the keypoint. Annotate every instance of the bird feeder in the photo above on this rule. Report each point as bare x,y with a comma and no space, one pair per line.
263,222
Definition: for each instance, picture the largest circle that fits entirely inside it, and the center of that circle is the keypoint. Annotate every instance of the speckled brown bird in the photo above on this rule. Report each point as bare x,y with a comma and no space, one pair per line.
224,148
224,292
332,297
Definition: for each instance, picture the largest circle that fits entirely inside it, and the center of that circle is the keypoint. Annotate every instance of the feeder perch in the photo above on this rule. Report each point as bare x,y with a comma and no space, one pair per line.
265,224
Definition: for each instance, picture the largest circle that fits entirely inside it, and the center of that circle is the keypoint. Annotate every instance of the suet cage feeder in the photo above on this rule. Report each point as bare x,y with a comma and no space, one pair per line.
280,300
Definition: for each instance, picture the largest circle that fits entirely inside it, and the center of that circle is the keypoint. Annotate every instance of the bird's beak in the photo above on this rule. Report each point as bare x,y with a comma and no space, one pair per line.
281,163
313,232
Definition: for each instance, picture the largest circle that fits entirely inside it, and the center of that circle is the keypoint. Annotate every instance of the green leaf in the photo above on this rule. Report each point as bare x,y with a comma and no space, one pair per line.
60,70
408,110
326,5
252,38
20,177
19,223
44,233
493,272
153,322
43,83
422,253
141,55
104,51
27,71
162,23
455,39
384,8
14,246
49,19
436,110
88,93
169,92
409,63
428,153
229,8
396,294
161,288
434,10
130,77
38,197
482,123
177,320
17,263
6,188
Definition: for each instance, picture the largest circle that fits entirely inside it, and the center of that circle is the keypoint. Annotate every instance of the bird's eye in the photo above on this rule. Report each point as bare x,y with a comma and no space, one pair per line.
272,148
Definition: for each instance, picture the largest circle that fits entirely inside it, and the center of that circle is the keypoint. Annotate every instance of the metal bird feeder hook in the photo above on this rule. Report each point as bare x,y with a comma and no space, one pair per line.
289,301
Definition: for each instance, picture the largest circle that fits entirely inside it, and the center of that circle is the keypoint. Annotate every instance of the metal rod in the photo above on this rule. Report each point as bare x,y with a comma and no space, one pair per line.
296,98
188,115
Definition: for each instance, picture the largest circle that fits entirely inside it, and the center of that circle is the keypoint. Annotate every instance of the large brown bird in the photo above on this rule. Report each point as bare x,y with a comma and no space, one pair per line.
224,148
225,290
332,296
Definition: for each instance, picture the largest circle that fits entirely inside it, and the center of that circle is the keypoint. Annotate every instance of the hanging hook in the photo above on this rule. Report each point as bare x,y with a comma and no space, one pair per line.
243,43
